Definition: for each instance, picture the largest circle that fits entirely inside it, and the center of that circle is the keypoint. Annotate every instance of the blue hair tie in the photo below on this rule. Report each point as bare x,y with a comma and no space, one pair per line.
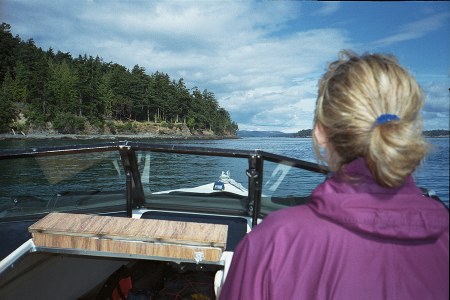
384,118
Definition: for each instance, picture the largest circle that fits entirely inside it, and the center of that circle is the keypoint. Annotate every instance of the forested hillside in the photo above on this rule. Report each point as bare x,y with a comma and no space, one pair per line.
43,90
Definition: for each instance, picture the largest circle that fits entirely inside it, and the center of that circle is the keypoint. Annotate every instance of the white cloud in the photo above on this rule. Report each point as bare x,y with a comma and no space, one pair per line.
275,108
328,8
437,105
436,98
415,30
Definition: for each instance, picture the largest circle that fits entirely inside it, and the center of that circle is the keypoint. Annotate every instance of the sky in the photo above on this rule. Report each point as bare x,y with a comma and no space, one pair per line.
261,59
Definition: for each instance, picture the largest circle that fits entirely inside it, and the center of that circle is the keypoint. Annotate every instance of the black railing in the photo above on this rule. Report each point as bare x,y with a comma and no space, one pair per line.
134,188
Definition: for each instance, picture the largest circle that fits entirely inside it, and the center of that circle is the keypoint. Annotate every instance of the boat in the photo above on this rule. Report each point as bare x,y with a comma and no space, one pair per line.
77,220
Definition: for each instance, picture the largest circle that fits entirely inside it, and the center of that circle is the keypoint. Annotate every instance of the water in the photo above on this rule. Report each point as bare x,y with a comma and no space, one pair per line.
432,174
434,171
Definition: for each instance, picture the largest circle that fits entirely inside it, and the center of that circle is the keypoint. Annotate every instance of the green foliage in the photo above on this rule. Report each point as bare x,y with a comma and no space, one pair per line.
111,126
61,90
126,127
191,123
8,46
305,133
35,120
49,86
68,123
7,108
19,127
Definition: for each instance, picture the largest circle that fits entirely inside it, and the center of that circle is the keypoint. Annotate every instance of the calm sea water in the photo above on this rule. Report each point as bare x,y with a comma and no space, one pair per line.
432,174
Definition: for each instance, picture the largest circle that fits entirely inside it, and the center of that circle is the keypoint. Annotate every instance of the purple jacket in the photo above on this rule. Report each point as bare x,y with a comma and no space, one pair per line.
352,241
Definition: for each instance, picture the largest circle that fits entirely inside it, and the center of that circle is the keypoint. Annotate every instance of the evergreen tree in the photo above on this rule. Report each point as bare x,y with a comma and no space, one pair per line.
120,85
8,47
7,109
35,76
106,96
89,75
139,90
61,90
184,101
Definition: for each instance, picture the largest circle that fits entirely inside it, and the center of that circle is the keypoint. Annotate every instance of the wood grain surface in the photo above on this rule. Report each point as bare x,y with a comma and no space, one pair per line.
159,238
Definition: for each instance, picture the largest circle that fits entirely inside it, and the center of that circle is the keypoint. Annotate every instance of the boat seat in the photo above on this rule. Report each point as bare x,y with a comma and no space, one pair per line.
237,227
117,236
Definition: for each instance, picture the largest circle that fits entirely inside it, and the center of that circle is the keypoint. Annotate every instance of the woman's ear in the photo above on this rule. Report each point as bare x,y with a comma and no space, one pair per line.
320,136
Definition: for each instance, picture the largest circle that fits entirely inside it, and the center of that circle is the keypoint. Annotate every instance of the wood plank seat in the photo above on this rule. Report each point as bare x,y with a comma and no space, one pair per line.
237,226
180,240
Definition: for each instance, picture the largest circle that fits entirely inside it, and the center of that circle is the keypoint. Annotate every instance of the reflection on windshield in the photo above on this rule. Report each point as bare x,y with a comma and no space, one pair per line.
62,168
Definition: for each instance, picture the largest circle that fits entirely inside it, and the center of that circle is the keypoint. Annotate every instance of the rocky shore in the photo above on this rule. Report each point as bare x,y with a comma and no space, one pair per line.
112,136
138,130
120,136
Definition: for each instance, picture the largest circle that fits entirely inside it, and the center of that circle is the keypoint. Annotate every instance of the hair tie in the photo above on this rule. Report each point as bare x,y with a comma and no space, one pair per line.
384,118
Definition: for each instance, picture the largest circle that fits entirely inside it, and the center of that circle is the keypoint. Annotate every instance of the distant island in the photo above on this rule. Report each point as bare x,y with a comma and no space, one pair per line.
254,133
307,133
250,133
437,133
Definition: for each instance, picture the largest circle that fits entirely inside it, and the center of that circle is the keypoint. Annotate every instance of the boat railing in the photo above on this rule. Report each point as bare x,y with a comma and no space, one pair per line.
135,196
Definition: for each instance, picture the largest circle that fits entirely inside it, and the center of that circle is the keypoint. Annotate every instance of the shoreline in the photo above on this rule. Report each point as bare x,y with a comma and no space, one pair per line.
146,135
56,136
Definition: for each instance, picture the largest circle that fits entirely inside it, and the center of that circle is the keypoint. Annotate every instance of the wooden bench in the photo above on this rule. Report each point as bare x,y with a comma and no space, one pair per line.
155,239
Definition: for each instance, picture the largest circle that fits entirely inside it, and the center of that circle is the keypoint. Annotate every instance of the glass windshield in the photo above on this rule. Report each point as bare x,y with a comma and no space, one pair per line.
284,185
61,183
191,182
170,181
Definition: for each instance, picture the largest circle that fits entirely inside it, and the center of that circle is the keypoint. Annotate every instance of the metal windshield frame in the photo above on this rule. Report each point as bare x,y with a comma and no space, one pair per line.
134,190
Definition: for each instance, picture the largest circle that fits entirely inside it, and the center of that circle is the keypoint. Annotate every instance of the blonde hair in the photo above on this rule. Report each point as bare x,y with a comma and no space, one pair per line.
353,93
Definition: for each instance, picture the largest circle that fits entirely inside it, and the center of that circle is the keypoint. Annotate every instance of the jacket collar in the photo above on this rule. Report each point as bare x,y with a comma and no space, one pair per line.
353,199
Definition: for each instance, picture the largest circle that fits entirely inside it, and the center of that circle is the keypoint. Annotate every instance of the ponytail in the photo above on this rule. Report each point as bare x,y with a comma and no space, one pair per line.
369,107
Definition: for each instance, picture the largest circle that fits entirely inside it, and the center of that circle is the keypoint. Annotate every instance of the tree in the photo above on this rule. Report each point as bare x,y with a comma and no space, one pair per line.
211,107
184,100
163,94
7,109
20,82
61,90
120,85
196,116
34,75
106,96
139,93
89,75
8,47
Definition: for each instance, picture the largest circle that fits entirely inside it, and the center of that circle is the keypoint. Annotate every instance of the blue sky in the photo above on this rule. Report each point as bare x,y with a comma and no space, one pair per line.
262,60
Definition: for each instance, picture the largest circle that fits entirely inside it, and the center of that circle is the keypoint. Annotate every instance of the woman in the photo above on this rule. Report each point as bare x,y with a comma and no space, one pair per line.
368,233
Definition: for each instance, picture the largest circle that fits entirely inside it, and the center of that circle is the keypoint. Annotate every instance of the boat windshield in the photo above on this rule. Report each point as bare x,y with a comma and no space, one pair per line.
122,176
